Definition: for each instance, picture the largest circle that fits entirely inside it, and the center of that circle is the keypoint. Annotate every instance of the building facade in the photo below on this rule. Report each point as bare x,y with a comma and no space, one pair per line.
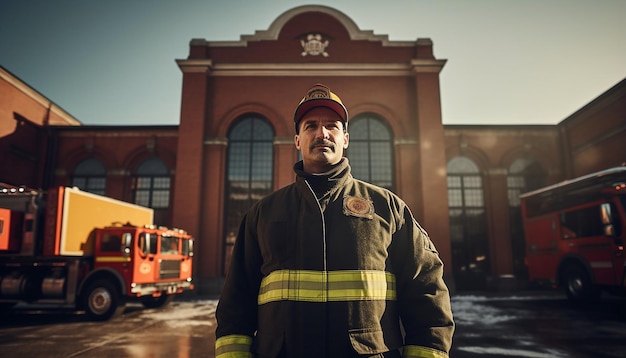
235,143
237,117
24,115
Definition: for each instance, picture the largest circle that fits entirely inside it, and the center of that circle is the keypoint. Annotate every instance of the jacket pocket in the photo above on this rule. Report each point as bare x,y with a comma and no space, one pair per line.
372,341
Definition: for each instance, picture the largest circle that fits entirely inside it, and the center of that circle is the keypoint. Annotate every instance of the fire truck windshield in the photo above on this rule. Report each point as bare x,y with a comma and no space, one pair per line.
169,245
148,243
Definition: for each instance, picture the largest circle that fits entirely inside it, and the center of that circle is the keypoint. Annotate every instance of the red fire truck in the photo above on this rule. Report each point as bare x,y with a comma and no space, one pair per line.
65,246
575,232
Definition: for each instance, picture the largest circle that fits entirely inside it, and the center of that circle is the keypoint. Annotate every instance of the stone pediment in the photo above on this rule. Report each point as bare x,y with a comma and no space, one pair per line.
304,17
311,37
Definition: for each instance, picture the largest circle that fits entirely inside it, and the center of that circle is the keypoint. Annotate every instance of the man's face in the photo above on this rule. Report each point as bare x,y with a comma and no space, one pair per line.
321,140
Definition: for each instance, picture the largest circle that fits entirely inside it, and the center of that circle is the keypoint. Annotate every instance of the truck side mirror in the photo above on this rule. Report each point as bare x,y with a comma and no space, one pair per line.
127,242
607,219
188,247
605,213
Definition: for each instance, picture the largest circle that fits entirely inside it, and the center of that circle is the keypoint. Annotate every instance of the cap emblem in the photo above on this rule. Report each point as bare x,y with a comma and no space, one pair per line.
318,92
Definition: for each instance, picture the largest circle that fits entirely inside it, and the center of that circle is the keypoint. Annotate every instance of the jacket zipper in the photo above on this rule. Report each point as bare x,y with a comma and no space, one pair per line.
323,229
325,266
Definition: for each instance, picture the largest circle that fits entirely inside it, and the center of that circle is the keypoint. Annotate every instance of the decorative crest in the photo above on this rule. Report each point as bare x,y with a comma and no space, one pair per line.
359,207
314,46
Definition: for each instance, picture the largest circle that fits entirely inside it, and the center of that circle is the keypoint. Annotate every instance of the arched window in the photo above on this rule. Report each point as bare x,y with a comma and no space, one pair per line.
524,175
371,151
151,184
468,230
90,175
249,172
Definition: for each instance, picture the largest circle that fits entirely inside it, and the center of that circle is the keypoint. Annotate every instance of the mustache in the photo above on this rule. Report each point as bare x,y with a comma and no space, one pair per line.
322,142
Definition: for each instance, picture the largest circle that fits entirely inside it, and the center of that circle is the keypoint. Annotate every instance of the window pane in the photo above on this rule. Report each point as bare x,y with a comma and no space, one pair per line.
160,199
242,131
161,183
378,131
239,161
142,198
468,229
520,165
471,181
96,182
473,197
262,131
462,165
152,166
79,182
456,212
358,129
513,195
454,181
381,159
455,198
359,159
90,167
249,172
261,161
90,175
152,184
143,183
371,151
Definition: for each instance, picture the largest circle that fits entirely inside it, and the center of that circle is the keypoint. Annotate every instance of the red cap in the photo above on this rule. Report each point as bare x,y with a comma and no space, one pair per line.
319,95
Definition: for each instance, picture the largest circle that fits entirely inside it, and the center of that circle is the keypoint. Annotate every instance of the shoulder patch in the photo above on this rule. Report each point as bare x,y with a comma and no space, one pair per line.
359,207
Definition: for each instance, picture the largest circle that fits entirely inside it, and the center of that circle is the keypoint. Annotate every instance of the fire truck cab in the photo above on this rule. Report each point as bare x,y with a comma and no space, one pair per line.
149,264
575,233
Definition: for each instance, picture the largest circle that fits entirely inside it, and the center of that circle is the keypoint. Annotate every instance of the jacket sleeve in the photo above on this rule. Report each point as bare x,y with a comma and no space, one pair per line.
423,296
236,312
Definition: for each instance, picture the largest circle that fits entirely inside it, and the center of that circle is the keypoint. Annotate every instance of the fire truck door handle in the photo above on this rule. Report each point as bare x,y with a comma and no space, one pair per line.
151,258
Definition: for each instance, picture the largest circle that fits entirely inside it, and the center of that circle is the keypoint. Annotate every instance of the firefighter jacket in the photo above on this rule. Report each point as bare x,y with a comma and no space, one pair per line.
347,273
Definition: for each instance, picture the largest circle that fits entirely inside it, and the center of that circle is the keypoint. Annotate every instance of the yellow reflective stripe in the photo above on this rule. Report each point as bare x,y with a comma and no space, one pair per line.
422,352
233,346
112,259
320,286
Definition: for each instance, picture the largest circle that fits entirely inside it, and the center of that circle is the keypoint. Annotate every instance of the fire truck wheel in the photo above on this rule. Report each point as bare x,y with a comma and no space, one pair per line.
102,301
156,302
578,285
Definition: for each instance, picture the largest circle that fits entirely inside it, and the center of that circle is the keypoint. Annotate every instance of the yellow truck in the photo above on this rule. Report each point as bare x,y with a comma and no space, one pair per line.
65,246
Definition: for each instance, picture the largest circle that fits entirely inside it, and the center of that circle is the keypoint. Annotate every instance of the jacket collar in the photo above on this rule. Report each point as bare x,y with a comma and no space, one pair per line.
323,183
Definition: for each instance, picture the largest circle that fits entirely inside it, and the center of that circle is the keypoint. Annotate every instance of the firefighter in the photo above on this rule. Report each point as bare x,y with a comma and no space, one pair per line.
331,266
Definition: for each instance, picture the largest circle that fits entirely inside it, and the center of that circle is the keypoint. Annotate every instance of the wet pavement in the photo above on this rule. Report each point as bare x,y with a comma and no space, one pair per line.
184,329
538,325
527,324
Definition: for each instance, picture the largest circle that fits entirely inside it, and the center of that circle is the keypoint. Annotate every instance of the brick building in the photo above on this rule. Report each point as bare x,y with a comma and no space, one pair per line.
234,143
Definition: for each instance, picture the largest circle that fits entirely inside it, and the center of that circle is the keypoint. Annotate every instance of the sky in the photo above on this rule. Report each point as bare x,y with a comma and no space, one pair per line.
508,61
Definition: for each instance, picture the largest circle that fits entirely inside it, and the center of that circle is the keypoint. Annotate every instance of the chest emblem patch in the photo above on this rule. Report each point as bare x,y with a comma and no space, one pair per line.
359,207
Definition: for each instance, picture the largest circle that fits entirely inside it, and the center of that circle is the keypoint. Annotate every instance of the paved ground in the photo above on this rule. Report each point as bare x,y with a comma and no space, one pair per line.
526,324
537,325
